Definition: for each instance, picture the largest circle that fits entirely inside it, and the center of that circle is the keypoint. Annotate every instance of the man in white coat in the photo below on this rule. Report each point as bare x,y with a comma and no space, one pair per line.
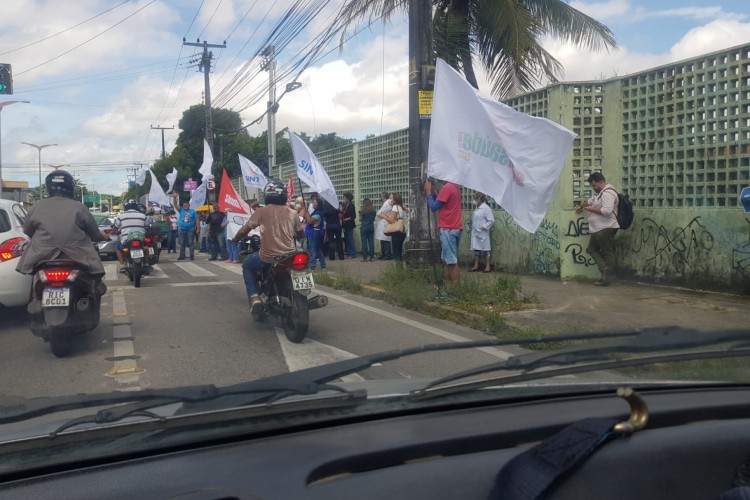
385,240
481,223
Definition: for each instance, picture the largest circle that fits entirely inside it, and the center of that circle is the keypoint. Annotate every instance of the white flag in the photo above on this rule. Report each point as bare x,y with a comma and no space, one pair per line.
141,177
208,160
311,172
485,145
156,196
251,174
198,196
171,178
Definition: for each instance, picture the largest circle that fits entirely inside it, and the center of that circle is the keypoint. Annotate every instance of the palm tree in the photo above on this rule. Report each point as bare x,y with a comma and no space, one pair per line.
504,36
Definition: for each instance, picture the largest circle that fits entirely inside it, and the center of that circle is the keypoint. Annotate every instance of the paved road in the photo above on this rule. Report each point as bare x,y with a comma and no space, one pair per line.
189,323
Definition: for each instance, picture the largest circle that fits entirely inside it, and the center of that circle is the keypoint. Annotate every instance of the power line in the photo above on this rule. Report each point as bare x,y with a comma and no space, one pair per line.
194,18
85,42
210,18
63,31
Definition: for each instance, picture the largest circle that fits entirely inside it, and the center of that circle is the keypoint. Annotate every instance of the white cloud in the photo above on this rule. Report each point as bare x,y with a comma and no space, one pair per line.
603,10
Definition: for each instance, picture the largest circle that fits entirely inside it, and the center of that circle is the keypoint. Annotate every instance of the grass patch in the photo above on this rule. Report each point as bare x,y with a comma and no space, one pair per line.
339,282
721,370
545,336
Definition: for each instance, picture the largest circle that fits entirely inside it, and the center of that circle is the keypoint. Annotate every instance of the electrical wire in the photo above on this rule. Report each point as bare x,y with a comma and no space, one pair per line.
210,19
85,42
194,18
63,31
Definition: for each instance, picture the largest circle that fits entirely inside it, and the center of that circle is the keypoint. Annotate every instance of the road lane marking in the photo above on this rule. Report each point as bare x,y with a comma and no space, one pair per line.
311,353
194,269
229,267
125,369
492,351
157,273
110,272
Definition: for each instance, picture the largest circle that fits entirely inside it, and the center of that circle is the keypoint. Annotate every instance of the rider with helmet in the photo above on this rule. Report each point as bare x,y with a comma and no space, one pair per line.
61,227
131,220
279,226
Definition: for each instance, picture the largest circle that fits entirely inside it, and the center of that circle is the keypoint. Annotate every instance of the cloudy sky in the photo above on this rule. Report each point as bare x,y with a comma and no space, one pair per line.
100,73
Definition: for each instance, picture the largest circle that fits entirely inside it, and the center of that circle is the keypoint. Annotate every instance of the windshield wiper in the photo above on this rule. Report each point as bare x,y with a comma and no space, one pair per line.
646,341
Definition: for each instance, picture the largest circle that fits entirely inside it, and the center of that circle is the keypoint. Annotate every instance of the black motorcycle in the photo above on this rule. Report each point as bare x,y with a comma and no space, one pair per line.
285,288
64,303
137,252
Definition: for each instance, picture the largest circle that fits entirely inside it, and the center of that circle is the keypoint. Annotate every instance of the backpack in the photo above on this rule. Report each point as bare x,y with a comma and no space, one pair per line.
625,214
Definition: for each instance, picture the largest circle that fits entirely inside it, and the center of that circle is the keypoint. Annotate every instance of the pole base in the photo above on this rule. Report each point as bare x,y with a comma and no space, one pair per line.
422,254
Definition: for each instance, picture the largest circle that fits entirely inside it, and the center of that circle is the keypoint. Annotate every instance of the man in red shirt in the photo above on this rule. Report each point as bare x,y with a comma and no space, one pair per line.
450,224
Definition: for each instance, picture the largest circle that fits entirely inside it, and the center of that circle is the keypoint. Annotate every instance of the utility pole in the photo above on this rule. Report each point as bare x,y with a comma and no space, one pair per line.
205,66
163,149
269,64
419,251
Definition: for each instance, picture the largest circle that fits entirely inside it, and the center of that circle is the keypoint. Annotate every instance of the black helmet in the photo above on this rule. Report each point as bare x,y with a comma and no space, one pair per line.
60,183
276,193
131,205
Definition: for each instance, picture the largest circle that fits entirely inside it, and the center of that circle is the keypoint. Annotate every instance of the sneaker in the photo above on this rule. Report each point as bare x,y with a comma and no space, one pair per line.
180,258
228,261
255,303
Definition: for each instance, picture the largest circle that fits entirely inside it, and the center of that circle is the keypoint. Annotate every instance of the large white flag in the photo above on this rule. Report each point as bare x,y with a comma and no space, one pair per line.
485,145
251,174
198,196
156,196
208,160
171,178
311,172
141,176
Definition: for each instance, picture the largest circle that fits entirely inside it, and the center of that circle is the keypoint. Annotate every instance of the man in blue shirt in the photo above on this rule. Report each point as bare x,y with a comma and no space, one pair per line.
188,226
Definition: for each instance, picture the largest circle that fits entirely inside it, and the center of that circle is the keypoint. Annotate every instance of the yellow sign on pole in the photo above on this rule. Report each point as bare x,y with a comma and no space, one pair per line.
425,104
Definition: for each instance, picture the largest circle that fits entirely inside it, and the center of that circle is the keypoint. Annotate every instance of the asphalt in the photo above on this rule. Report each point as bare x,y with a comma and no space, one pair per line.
573,306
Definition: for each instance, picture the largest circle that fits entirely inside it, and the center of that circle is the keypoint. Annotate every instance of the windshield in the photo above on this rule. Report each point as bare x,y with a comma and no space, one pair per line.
550,205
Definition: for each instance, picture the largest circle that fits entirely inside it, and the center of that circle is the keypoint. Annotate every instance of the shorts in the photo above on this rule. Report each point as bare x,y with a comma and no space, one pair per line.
481,253
449,239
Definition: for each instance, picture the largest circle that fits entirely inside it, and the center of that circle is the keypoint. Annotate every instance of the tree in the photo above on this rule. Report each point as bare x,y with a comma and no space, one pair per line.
504,37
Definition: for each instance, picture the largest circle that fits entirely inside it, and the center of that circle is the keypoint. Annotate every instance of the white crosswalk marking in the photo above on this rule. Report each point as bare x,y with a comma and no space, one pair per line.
110,272
235,268
157,273
310,353
194,269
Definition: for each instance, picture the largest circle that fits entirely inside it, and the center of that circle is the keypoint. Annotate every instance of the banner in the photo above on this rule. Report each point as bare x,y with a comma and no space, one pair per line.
156,196
485,145
235,222
311,172
171,178
141,177
228,197
208,160
251,174
198,196
290,189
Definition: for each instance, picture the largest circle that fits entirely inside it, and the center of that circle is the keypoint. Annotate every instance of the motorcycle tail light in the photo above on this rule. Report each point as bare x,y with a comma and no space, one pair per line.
135,243
12,248
148,240
300,261
57,277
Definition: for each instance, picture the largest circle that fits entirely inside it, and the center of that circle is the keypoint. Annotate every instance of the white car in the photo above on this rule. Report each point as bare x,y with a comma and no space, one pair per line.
16,287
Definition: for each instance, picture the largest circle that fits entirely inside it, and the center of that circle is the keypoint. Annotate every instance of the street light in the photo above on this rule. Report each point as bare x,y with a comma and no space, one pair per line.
39,150
2,105
273,108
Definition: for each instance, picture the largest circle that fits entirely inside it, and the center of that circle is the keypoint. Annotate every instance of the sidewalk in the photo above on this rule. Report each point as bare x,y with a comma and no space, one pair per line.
571,306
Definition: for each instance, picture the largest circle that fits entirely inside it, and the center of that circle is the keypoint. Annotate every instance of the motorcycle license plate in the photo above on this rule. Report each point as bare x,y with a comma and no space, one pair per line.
55,297
136,254
302,281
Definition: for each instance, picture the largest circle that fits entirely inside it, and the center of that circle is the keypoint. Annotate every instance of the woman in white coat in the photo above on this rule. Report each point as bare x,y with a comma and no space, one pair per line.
481,223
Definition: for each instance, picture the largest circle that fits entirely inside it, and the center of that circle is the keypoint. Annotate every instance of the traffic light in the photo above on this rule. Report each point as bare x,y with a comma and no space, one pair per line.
6,79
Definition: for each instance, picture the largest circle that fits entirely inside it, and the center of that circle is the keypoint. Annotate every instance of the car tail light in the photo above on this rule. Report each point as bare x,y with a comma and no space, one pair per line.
12,248
135,243
57,277
300,261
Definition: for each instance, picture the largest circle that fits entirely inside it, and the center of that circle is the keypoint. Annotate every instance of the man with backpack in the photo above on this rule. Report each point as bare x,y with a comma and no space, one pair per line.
603,225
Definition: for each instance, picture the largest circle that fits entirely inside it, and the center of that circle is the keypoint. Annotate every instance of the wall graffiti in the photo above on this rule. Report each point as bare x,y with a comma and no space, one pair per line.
538,252
579,256
683,250
741,256
578,227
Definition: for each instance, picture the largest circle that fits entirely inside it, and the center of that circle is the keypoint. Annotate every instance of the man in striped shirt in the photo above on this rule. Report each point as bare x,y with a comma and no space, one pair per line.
132,219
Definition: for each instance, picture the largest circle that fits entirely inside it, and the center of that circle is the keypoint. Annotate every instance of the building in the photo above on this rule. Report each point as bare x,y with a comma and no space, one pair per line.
675,138
17,191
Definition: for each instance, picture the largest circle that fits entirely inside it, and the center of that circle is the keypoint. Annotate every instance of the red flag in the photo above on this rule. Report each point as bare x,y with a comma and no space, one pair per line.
229,199
290,190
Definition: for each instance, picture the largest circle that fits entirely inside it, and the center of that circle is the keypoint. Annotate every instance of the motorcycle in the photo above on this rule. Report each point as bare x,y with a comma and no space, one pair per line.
153,242
137,252
65,302
285,288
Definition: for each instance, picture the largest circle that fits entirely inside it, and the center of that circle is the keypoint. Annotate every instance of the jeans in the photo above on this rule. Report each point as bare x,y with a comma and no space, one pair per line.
397,243
172,241
315,247
351,251
251,268
335,244
216,240
204,244
602,248
385,249
233,250
368,243
187,241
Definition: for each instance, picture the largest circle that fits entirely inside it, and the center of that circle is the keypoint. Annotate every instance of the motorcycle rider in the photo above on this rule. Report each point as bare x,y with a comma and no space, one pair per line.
279,226
61,227
131,220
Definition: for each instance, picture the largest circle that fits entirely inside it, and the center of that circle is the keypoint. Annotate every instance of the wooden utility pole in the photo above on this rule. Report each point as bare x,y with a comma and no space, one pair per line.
419,251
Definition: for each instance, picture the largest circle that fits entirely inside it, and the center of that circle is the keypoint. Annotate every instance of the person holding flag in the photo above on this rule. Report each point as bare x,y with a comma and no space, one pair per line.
187,225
